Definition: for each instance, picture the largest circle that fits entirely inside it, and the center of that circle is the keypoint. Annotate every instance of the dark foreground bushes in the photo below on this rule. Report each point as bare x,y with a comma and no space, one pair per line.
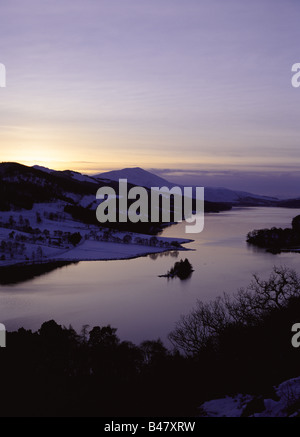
243,340
56,372
230,345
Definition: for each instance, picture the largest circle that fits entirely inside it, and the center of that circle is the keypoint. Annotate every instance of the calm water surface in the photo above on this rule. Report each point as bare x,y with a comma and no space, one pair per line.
130,296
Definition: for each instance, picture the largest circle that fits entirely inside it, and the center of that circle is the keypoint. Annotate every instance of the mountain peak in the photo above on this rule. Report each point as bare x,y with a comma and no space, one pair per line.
136,176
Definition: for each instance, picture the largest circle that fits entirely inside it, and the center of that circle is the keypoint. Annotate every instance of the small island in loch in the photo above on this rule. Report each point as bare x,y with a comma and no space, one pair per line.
277,240
181,269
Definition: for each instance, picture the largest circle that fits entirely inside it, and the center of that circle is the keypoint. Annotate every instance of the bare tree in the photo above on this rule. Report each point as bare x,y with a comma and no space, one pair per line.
250,304
204,324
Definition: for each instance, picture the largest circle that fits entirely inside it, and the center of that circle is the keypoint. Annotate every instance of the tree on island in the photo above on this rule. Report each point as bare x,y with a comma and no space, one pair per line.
181,269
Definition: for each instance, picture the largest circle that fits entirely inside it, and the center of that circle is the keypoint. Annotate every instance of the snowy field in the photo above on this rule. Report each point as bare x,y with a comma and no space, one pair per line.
47,233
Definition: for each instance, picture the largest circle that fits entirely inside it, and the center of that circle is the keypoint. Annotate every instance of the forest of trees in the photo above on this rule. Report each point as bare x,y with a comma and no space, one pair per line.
277,238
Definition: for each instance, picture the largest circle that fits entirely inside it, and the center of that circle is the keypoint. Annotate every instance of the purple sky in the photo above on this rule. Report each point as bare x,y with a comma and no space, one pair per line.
190,85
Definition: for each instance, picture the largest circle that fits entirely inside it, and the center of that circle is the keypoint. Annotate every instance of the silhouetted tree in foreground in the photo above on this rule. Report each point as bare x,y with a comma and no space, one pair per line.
246,336
245,308
56,372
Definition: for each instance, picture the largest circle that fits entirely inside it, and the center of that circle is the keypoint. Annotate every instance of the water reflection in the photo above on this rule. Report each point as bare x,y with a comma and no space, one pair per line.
172,253
16,274
129,295
256,249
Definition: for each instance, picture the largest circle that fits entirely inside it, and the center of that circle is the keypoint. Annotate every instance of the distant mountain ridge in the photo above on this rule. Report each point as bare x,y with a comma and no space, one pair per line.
139,176
66,183
144,178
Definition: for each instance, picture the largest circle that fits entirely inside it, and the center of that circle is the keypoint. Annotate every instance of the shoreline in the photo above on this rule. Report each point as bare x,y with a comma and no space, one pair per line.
21,271
125,254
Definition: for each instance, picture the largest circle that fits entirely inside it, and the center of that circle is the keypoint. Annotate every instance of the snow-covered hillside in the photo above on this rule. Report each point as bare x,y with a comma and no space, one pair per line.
41,168
46,215
80,177
46,233
72,174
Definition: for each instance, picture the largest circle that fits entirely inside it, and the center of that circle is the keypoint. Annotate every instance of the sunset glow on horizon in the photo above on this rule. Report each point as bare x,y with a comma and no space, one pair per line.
156,85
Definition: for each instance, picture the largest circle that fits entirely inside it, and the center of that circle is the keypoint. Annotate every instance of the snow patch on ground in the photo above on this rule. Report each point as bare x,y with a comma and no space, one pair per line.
226,407
82,178
287,403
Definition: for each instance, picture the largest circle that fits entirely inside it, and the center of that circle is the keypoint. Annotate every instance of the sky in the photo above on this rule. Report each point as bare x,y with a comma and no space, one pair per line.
198,90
